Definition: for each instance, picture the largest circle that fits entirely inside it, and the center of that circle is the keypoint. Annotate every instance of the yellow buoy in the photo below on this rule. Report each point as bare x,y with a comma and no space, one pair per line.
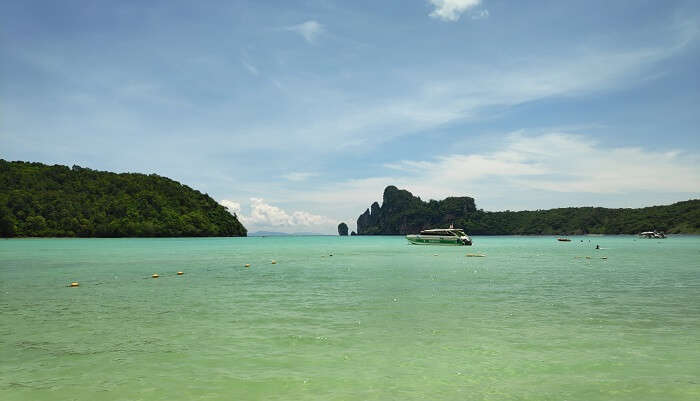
155,275
247,265
180,273
74,284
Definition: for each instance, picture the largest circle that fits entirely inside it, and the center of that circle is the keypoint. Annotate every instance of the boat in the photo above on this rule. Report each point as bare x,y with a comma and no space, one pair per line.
652,234
563,239
440,236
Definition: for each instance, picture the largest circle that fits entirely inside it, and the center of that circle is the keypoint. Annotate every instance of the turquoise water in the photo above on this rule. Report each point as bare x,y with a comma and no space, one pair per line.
379,320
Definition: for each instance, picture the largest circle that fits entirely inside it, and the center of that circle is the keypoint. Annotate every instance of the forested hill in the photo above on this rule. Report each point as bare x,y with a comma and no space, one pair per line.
37,200
403,213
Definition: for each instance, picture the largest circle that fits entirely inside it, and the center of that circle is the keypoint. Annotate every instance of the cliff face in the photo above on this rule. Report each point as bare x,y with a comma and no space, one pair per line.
403,213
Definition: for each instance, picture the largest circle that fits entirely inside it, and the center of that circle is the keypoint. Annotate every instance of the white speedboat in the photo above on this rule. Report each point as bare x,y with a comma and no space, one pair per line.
652,234
440,236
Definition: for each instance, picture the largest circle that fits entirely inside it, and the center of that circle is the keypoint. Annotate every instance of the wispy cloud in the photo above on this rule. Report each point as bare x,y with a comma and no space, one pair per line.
480,14
250,68
298,176
476,92
451,10
309,30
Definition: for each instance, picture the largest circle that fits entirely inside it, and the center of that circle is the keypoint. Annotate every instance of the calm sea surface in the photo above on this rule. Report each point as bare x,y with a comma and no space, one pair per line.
535,319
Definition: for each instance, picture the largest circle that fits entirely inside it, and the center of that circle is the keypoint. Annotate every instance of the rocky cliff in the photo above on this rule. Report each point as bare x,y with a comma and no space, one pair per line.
403,213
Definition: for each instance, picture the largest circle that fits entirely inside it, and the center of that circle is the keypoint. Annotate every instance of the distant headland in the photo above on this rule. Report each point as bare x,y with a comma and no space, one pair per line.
37,200
403,213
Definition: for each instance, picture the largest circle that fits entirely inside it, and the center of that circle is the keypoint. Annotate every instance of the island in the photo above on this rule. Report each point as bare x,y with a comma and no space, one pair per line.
402,213
38,200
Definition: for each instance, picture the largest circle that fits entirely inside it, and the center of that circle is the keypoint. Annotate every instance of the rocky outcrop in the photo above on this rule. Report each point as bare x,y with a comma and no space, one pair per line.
403,213
343,229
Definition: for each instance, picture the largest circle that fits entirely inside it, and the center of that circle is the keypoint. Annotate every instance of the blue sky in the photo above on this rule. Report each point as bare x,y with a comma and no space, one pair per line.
297,114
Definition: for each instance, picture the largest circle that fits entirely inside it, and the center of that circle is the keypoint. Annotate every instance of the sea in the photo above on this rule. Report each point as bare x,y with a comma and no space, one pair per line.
350,318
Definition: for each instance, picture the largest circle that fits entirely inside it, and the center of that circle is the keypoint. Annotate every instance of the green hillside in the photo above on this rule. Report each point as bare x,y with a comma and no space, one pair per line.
403,213
37,200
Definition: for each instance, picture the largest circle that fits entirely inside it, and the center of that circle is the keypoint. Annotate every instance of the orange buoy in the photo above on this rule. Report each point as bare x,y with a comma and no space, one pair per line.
74,284
180,273
155,275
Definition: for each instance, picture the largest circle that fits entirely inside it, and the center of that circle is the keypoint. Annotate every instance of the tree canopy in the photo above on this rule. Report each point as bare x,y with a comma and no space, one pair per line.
37,200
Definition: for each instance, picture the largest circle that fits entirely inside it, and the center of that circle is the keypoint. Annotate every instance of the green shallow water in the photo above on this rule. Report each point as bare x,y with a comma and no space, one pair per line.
379,320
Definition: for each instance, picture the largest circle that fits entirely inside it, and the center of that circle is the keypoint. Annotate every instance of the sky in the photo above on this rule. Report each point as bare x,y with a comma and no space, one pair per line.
296,115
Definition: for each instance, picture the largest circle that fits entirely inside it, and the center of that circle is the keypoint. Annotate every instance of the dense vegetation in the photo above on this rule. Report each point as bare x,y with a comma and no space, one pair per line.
403,213
37,200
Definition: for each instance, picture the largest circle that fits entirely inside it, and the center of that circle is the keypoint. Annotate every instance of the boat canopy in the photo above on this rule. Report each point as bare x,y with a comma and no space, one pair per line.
444,232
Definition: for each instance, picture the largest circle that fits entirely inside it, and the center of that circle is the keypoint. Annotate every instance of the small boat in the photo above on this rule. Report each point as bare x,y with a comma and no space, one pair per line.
563,239
440,236
652,234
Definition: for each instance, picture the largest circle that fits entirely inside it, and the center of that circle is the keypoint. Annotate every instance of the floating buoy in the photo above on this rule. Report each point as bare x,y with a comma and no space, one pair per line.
74,284
435,254
273,262
155,275
604,257
330,254
247,265
180,273
475,255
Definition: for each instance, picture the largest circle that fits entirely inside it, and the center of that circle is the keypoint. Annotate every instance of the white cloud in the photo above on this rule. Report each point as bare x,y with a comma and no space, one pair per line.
233,207
309,30
450,10
264,215
560,162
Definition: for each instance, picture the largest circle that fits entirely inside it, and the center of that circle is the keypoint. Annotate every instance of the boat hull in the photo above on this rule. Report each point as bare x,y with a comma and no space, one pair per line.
438,240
